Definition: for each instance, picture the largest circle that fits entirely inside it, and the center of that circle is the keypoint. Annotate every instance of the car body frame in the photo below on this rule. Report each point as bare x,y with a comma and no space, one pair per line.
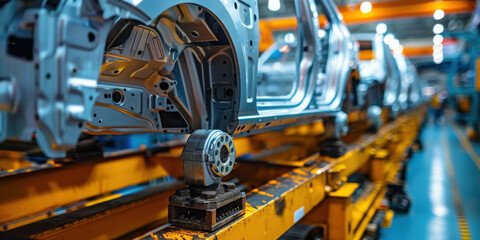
377,64
117,67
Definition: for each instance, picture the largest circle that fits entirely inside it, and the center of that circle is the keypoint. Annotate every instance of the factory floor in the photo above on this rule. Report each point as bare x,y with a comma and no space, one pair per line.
444,186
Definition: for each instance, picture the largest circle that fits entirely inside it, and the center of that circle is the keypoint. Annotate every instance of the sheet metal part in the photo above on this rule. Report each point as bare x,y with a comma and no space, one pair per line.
46,60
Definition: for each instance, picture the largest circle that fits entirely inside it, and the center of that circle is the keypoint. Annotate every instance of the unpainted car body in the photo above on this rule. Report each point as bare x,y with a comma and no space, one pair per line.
411,89
377,65
116,67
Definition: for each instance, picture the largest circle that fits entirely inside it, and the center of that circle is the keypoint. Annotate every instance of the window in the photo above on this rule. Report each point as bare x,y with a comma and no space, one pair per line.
279,52
366,50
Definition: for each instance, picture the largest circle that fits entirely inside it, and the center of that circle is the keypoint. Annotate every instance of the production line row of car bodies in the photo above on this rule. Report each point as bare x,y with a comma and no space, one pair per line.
239,66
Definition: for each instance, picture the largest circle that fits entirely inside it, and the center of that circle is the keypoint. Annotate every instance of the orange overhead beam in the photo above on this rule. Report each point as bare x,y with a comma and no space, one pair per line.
268,26
404,9
418,51
381,11
366,55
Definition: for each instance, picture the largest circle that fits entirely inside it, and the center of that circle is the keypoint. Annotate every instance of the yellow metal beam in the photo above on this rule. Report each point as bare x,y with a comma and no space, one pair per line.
11,160
365,207
418,51
334,213
119,218
286,193
31,193
275,206
270,209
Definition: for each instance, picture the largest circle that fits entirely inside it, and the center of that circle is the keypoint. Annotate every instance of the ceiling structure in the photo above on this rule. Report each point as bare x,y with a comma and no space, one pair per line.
406,19
410,21
414,31
416,28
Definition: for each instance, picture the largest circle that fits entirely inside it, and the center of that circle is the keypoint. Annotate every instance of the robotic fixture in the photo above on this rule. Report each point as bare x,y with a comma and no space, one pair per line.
207,204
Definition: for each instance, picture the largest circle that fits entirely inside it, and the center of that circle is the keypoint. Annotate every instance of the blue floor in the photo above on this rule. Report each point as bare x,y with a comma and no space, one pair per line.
434,190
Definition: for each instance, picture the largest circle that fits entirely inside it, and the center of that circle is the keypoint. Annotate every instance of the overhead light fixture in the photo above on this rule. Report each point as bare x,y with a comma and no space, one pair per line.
398,50
438,28
394,44
381,28
428,91
438,60
136,2
388,38
437,39
289,37
438,14
322,33
438,47
366,7
274,5
438,54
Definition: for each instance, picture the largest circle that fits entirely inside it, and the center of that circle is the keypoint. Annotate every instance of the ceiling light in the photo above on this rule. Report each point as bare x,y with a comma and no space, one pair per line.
381,28
366,7
321,33
274,5
438,60
438,47
388,38
398,50
136,2
438,54
437,39
438,14
438,28
289,37
394,44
